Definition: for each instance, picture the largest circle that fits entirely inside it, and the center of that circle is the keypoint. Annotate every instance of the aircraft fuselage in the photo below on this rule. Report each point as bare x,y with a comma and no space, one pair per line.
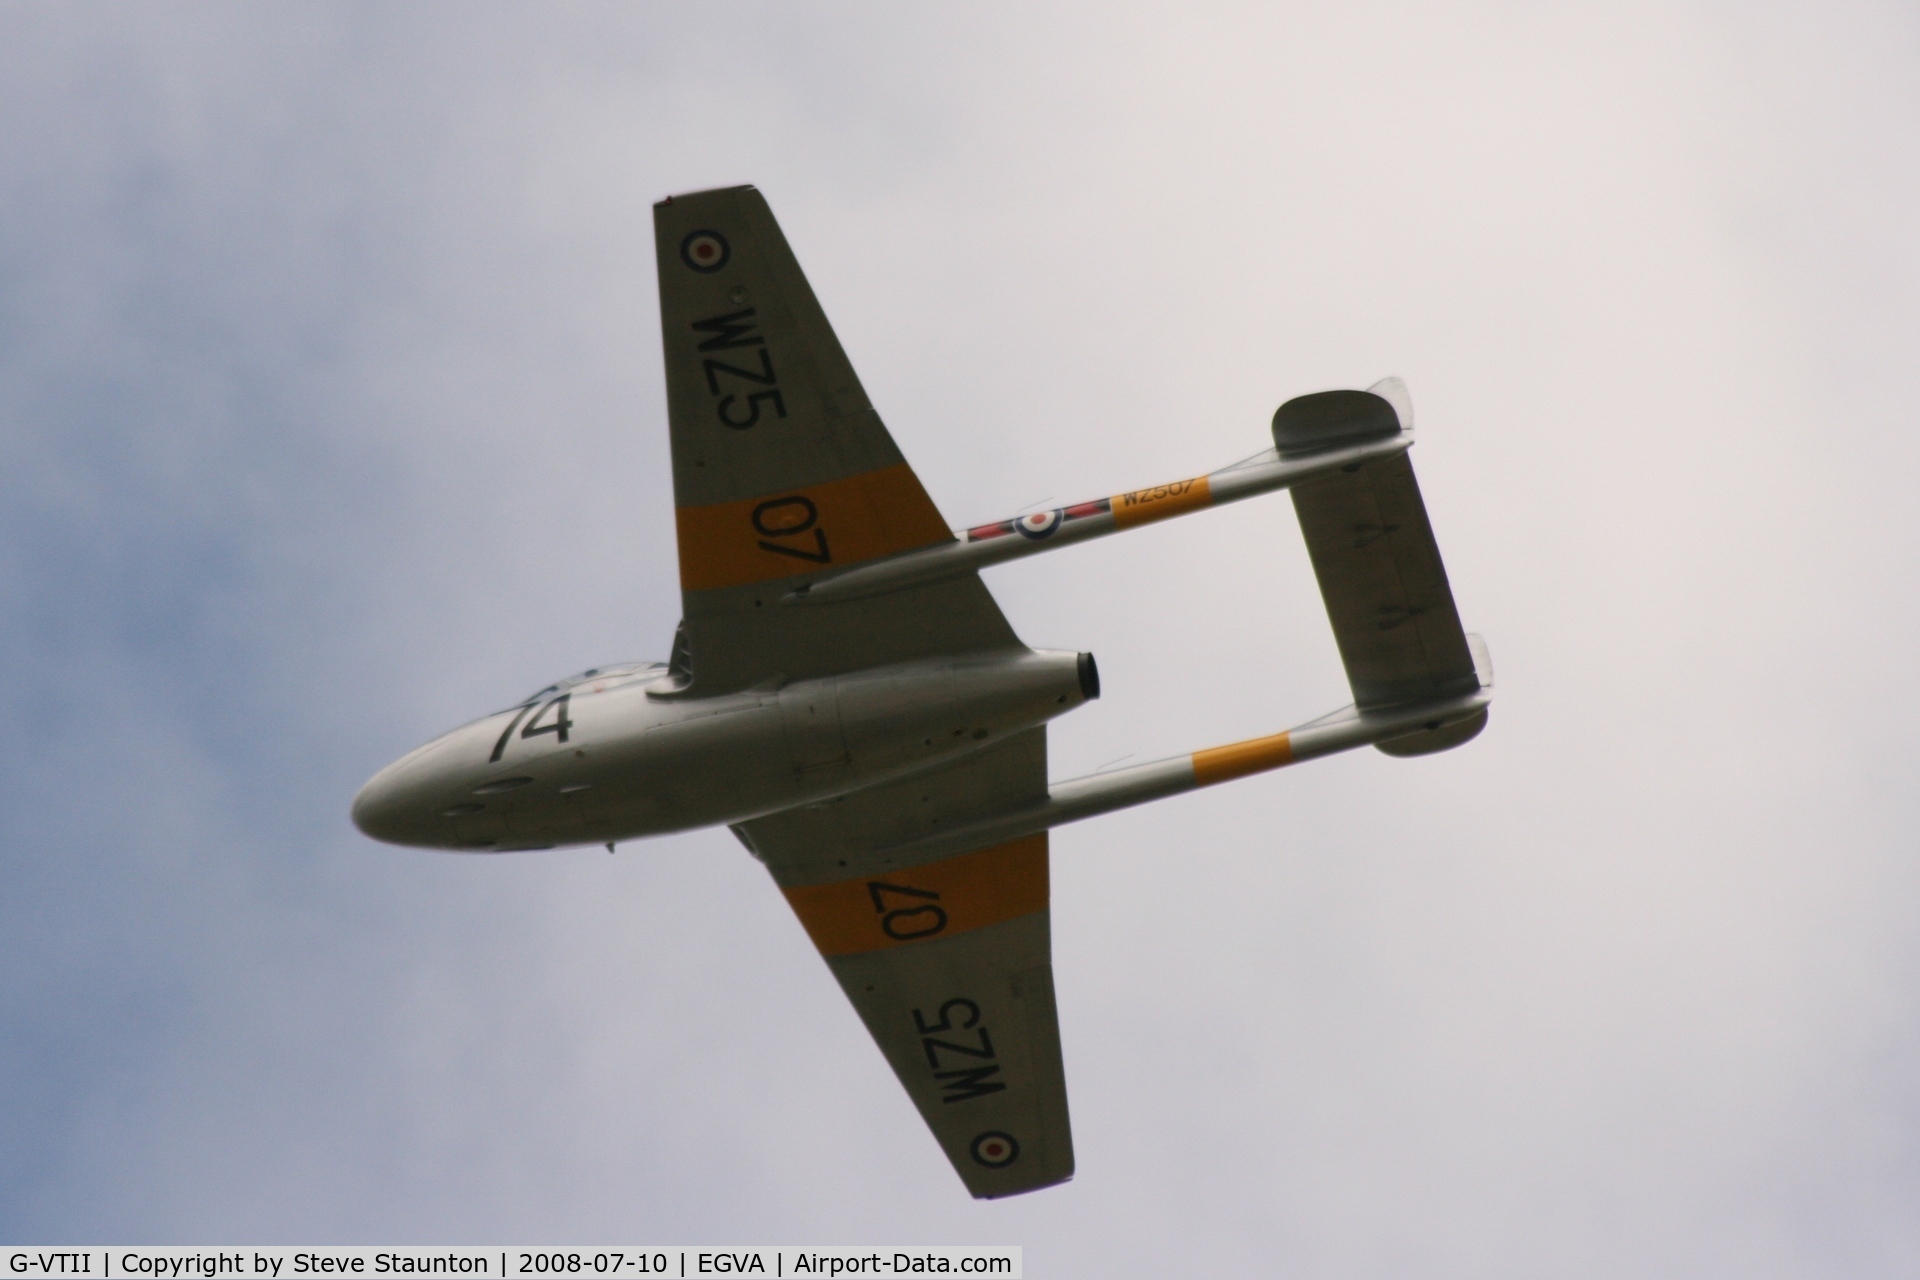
615,753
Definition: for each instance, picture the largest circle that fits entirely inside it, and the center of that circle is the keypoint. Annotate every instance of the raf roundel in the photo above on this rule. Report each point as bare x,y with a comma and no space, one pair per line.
995,1149
1038,526
705,251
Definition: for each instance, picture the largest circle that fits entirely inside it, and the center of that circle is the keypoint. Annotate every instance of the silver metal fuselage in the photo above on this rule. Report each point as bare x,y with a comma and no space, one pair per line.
612,756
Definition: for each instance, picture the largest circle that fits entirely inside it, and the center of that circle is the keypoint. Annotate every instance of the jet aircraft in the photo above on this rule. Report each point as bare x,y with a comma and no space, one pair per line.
844,693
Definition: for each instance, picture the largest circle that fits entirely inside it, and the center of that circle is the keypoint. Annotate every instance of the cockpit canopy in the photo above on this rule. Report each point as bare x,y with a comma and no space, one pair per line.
600,678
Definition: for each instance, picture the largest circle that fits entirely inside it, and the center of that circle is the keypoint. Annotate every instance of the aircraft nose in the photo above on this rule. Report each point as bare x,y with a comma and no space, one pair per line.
386,809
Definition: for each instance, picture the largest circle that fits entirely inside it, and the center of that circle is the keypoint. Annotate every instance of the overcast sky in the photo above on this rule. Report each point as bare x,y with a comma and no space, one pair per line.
331,416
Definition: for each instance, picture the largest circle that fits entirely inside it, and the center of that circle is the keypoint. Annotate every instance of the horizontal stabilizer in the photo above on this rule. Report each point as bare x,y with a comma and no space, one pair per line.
1377,563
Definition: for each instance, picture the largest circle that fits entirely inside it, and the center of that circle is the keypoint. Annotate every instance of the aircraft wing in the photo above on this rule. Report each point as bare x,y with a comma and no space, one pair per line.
781,468
947,960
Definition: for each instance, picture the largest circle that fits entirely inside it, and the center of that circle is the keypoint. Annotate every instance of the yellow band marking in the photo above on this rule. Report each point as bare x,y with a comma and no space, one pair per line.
1238,759
925,903
795,531
1143,506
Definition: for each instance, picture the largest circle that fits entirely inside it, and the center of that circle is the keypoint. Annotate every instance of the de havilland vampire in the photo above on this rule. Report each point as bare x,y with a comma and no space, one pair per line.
844,693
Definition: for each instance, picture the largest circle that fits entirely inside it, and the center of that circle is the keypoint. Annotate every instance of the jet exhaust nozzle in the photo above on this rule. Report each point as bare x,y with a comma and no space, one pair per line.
1089,677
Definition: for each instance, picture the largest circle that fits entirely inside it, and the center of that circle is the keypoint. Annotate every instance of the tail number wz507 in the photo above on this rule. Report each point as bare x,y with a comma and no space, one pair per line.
907,913
739,406
959,1051
790,519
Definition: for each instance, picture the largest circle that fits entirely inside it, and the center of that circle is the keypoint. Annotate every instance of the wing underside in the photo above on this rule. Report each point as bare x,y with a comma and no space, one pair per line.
782,471
948,961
